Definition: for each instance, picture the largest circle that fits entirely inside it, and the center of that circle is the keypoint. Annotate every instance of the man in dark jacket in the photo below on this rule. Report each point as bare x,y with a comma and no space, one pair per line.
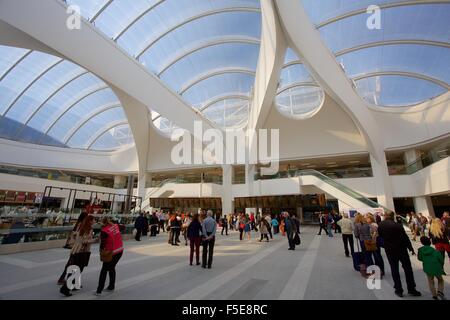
139,225
396,245
291,230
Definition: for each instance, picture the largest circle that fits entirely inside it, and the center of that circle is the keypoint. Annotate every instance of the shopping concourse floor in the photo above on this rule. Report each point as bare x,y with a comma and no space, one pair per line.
151,269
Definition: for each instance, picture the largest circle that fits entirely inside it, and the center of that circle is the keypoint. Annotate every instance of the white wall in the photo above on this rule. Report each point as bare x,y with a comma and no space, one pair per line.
31,155
329,132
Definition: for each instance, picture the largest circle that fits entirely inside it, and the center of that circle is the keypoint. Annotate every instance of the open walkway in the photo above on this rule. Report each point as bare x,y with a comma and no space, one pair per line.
152,269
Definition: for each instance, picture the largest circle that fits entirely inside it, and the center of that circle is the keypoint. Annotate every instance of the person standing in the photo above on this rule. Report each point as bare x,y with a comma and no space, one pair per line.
186,222
432,262
276,226
248,227
209,227
139,225
291,230
111,250
439,237
263,229
330,222
194,234
378,258
396,244
154,223
322,224
346,226
145,224
269,225
241,225
336,218
81,249
224,222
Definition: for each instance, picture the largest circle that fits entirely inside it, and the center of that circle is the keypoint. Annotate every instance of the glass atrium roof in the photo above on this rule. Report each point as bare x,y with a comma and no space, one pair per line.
51,101
298,96
205,50
402,64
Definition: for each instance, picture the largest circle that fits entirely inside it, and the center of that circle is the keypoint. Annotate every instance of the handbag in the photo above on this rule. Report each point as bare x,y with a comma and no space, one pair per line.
297,239
370,245
106,256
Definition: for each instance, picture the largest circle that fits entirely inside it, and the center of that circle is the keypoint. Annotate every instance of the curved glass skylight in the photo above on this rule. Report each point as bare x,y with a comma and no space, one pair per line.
412,46
47,100
298,96
202,49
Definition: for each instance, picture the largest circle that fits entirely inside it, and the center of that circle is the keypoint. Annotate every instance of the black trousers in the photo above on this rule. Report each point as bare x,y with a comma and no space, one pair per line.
153,231
324,228
225,227
109,268
270,232
174,235
208,252
241,231
403,257
337,228
138,234
348,238
291,241
264,236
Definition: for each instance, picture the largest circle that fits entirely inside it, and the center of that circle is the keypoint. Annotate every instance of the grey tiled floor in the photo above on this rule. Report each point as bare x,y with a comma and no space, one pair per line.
153,270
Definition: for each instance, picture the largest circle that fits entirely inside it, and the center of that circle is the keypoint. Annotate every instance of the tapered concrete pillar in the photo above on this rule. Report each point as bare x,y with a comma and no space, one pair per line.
227,194
382,181
424,205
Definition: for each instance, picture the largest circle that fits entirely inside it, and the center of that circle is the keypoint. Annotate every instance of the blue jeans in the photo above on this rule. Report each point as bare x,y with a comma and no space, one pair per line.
330,234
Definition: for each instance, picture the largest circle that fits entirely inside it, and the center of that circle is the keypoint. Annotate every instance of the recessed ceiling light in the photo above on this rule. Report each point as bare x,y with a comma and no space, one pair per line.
331,162
306,164
355,161
333,166
313,166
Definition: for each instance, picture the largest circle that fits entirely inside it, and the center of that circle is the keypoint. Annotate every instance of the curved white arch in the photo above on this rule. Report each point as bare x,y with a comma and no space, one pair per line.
382,6
86,119
207,44
298,84
404,74
191,19
211,74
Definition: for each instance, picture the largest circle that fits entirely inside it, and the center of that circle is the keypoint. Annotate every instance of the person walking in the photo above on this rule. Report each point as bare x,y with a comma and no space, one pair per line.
174,226
81,249
346,226
432,262
145,224
396,246
194,234
439,237
322,224
69,245
209,227
111,250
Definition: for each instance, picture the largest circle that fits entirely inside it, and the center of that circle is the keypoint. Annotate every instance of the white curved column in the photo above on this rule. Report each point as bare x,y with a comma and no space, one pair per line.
305,39
268,71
